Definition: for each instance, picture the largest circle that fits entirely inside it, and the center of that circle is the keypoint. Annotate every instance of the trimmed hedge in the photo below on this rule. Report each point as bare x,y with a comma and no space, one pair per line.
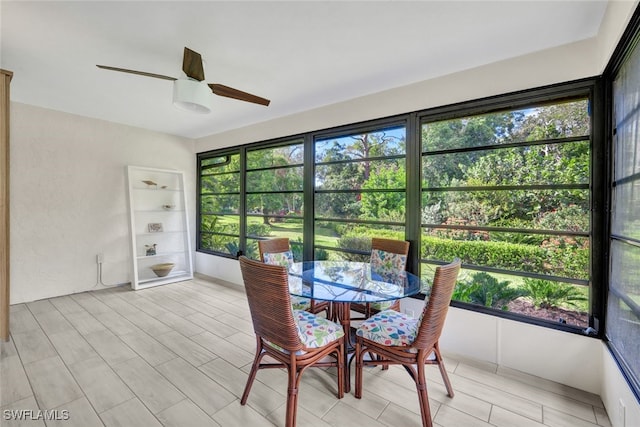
563,261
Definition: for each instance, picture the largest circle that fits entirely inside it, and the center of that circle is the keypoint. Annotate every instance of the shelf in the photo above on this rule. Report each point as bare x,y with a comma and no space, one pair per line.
159,255
147,213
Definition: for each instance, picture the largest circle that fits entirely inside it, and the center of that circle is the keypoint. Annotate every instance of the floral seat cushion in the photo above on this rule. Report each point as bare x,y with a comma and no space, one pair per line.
390,328
383,262
300,303
283,259
314,331
386,265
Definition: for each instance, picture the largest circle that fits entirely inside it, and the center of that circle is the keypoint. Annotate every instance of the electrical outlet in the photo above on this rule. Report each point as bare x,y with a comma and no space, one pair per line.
100,258
621,413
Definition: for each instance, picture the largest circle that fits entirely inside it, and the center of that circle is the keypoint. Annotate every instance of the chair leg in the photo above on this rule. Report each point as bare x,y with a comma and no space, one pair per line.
423,396
359,366
341,370
443,371
292,395
253,372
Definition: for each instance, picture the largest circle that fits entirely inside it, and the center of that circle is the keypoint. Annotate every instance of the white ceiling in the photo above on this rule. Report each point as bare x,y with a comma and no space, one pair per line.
300,55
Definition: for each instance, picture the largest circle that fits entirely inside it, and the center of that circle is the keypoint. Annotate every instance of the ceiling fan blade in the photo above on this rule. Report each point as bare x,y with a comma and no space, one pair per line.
192,64
140,73
230,92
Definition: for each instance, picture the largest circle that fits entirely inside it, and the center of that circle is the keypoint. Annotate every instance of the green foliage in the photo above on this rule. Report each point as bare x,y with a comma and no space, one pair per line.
258,229
384,206
355,243
552,260
547,294
486,290
521,238
505,255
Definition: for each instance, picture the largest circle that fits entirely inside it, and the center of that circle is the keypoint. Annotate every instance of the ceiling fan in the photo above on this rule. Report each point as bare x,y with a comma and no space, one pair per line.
192,93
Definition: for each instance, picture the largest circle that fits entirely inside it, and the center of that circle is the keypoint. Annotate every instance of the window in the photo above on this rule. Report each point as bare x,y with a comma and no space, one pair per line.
504,183
219,201
508,193
623,305
274,196
359,186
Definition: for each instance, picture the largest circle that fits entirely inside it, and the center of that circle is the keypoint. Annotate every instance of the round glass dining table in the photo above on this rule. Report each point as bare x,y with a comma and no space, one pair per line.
346,282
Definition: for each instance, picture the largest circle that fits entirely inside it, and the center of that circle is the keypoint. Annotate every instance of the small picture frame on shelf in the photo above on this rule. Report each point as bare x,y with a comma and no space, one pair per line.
154,227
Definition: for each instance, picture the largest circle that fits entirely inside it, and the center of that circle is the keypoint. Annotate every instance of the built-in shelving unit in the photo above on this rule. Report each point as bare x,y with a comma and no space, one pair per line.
157,206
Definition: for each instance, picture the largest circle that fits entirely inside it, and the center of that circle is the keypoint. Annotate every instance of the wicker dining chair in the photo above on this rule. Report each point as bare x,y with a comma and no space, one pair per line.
397,339
296,339
277,251
386,254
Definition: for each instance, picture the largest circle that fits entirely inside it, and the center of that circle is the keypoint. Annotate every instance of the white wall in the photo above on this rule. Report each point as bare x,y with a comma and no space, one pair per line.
69,200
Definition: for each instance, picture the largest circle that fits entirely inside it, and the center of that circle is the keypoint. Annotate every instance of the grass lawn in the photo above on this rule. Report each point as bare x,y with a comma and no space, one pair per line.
293,230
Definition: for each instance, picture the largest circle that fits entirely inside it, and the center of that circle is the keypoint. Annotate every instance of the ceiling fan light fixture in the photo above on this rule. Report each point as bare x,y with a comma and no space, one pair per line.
192,95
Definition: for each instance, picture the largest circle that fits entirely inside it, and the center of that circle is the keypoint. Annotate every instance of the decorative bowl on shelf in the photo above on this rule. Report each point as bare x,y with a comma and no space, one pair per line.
162,269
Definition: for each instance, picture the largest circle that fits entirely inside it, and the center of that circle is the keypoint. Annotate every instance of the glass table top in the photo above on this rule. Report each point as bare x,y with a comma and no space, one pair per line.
345,281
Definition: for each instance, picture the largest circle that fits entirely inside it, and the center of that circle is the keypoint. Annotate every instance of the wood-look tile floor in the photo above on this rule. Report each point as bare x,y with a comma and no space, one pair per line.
178,355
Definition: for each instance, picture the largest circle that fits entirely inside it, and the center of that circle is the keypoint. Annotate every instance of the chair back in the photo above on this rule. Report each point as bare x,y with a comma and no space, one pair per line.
435,311
273,246
267,289
397,261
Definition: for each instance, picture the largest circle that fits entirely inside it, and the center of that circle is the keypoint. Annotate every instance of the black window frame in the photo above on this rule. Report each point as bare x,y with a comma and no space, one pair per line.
591,88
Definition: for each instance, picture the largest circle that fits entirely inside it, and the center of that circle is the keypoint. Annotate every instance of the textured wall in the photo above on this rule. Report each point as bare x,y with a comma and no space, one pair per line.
69,199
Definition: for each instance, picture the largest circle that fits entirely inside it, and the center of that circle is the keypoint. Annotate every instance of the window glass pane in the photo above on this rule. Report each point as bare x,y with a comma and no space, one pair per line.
385,174
281,204
220,164
543,299
623,308
378,205
561,210
275,156
626,211
353,238
219,203
528,124
627,153
566,163
216,163
221,183
282,179
563,256
219,233
379,143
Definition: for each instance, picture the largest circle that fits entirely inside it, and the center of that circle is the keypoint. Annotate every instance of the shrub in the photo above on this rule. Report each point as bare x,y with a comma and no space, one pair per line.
486,290
258,229
547,294
552,259
496,254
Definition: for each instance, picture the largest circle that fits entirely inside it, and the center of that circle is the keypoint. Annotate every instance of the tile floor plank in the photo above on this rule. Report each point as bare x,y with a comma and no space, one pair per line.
154,390
131,413
202,390
103,388
53,384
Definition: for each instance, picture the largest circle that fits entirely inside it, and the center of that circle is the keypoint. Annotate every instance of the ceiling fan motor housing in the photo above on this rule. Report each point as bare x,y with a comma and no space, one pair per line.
192,95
